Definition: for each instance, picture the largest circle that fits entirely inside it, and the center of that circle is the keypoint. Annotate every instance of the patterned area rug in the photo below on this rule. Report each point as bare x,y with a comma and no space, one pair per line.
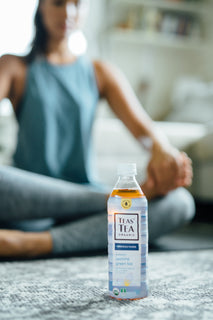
181,287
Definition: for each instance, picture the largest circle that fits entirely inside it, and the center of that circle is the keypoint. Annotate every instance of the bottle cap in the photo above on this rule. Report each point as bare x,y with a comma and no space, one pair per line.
128,169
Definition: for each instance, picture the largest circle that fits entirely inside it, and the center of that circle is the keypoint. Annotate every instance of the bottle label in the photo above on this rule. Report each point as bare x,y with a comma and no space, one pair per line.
126,226
126,203
127,249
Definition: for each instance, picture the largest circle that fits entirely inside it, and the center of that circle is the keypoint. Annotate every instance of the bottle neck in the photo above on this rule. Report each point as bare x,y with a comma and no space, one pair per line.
127,182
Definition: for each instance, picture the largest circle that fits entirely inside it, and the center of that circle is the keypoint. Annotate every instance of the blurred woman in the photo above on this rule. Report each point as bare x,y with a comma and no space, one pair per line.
50,203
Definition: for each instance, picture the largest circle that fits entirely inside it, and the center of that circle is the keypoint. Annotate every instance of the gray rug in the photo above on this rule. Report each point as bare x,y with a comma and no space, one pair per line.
181,287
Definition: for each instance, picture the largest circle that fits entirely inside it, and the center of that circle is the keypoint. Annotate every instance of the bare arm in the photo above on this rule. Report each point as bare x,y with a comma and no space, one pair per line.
122,100
168,168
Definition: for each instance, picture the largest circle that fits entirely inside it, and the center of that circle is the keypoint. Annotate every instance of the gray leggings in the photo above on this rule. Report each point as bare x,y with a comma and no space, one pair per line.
76,215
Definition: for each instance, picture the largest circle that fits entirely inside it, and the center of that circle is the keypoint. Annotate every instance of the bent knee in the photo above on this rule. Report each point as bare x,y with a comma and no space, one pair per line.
170,213
186,204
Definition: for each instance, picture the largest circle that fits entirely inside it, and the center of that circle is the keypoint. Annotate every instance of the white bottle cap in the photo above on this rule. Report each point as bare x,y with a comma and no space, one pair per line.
127,169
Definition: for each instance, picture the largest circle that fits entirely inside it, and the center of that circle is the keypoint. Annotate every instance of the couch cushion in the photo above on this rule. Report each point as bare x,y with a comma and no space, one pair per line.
183,134
202,150
115,144
192,100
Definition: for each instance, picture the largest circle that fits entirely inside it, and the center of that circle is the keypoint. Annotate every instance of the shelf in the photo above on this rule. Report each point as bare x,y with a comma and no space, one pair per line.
157,39
192,7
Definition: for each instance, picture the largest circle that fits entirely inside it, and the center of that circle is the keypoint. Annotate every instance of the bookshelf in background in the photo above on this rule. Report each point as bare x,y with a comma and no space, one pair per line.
160,22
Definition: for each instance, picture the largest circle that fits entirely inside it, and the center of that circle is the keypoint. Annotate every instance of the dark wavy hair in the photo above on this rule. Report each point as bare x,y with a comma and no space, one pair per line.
38,45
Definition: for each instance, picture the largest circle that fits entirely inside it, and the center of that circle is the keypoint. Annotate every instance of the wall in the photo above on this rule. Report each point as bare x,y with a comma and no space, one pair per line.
16,18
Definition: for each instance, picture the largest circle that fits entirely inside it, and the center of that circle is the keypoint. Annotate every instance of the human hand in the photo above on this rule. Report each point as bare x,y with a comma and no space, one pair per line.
168,169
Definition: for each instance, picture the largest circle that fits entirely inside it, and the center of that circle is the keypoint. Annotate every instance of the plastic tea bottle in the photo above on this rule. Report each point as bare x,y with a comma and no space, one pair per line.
127,237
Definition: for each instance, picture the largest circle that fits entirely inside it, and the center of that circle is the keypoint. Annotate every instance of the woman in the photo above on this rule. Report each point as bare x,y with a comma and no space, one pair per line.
54,95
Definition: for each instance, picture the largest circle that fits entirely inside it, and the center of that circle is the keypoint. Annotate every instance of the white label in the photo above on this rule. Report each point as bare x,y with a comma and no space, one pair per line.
126,226
126,271
126,250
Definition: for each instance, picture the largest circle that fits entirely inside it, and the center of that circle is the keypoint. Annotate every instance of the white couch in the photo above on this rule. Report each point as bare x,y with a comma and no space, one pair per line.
113,144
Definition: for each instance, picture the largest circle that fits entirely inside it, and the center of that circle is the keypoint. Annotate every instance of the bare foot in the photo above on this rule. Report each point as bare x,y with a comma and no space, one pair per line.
24,244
